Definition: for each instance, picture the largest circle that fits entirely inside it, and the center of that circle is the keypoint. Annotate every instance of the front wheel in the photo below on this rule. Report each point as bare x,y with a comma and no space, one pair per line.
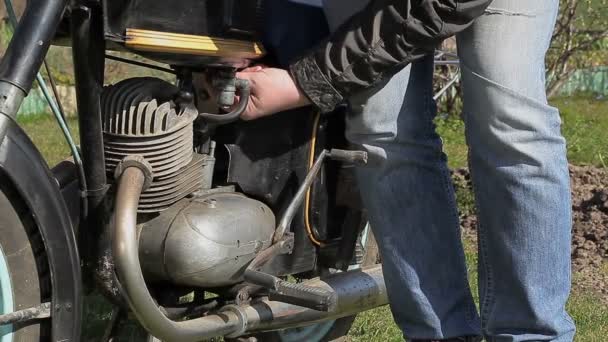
335,330
24,275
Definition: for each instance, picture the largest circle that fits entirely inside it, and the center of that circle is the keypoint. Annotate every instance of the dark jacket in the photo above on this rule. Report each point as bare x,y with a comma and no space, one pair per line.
376,43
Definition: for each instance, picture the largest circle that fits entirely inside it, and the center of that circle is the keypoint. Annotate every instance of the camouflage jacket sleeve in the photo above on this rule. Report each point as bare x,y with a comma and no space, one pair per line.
376,43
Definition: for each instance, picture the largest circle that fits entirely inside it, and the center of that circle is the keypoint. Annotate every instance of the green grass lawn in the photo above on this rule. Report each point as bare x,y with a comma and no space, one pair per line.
585,126
590,315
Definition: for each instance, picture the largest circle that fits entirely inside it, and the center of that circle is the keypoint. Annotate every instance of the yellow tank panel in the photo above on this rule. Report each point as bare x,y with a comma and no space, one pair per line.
165,42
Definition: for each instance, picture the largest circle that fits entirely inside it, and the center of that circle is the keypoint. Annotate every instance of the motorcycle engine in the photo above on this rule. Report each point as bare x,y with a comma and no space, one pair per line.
190,234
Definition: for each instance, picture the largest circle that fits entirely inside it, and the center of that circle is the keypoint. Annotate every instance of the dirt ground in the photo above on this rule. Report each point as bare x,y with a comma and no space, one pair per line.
590,225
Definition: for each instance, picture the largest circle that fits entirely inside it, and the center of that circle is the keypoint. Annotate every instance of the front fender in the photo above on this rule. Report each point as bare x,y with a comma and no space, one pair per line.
22,163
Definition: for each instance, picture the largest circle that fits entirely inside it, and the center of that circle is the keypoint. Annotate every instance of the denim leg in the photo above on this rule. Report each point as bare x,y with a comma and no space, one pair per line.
520,173
408,192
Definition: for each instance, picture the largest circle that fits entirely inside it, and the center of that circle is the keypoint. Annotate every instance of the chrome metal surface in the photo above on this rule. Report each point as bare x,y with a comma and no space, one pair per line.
206,241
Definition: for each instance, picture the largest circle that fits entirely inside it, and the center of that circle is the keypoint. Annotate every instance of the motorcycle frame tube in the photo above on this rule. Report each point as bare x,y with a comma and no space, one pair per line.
88,51
356,291
88,55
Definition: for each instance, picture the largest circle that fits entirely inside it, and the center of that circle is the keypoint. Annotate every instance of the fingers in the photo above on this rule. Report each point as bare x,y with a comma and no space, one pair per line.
254,68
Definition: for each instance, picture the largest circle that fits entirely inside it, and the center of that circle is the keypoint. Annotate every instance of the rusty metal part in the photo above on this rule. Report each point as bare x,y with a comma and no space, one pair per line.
38,312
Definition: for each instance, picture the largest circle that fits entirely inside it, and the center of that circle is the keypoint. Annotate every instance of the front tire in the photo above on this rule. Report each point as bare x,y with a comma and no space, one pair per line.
24,273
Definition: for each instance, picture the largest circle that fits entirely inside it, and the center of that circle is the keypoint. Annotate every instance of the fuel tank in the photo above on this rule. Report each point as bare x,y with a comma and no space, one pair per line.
205,241
187,32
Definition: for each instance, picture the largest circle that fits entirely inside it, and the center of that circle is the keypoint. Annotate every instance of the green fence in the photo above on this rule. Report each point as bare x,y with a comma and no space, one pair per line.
35,103
593,80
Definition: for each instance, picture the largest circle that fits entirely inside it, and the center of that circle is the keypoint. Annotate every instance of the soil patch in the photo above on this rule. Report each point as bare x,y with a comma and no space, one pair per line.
589,230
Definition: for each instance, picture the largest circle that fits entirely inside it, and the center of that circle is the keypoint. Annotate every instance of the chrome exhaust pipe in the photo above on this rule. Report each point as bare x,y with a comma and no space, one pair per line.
356,291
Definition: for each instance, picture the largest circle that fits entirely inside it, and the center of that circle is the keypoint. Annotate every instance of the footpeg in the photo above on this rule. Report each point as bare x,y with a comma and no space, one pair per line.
297,294
357,158
309,297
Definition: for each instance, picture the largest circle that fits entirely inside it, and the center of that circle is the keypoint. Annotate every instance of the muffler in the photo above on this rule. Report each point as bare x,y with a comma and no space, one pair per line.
355,291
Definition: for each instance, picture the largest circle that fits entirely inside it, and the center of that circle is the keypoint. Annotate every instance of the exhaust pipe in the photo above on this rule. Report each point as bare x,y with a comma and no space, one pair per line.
356,291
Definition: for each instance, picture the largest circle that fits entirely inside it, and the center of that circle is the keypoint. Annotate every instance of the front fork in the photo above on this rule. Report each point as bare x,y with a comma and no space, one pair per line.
26,52
23,58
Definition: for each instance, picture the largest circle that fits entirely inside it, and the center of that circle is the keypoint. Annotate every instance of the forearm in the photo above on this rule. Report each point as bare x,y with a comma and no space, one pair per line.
378,42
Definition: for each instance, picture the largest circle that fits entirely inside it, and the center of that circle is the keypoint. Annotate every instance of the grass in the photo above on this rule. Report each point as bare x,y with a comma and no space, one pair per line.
590,315
46,135
585,125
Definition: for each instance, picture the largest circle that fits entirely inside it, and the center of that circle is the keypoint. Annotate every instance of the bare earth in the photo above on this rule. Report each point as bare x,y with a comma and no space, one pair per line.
589,231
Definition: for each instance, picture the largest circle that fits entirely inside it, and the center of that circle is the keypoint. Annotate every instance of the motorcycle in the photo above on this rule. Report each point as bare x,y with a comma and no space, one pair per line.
195,223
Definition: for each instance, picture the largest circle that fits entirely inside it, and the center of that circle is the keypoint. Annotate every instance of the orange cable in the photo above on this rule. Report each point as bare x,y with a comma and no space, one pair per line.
311,159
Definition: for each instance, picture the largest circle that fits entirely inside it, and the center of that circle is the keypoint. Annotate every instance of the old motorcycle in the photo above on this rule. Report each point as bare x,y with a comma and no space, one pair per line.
196,224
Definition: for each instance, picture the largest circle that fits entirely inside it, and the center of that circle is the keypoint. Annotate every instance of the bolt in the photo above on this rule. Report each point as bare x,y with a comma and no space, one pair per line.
211,203
257,246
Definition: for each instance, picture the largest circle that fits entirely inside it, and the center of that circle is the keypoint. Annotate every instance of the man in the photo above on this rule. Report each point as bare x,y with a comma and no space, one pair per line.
379,63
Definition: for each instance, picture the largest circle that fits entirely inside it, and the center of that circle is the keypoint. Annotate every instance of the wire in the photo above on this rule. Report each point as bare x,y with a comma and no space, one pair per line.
54,88
59,115
311,159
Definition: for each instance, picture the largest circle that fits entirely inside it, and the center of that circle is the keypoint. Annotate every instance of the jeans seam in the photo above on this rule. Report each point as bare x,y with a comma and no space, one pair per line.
446,187
485,303
449,189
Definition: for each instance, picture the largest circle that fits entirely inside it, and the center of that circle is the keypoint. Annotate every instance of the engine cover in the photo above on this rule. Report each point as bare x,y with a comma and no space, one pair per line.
205,241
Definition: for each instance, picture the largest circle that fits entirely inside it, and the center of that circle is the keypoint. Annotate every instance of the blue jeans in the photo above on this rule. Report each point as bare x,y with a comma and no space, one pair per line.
517,157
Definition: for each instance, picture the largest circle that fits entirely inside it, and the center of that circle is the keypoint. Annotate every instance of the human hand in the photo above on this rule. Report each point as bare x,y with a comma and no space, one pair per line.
272,90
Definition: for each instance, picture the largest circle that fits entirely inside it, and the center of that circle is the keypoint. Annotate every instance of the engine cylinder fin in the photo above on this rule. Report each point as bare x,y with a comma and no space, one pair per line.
140,117
149,145
173,184
155,160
